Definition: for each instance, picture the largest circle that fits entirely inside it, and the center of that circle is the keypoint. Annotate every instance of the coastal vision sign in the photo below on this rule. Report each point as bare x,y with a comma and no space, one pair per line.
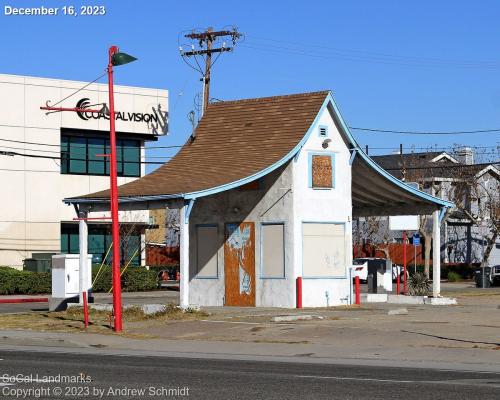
154,117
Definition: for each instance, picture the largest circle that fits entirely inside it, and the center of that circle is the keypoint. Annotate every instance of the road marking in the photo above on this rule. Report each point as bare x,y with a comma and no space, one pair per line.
347,378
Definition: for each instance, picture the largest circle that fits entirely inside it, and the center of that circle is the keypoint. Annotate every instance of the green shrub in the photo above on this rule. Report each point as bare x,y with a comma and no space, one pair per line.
453,277
419,284
13,281
134,279
464,271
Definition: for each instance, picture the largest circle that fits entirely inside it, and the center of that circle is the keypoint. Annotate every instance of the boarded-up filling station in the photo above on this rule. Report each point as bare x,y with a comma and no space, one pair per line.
267,189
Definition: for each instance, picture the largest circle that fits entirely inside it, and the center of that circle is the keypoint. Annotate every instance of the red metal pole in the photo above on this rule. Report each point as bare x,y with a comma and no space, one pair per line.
85,310
404,262
358,291
115,229
299,292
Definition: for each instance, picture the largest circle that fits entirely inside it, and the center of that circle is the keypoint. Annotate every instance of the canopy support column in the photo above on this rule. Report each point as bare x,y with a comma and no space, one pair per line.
436,254
83,233
184,254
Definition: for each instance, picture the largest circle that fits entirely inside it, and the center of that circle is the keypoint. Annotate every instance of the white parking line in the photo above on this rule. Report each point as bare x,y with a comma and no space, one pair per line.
346,378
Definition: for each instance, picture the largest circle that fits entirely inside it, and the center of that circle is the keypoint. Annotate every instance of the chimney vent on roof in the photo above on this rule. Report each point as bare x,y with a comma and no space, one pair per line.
465,155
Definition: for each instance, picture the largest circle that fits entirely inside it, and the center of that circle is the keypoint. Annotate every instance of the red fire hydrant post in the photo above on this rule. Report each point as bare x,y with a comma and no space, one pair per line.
299,292
358,290
85,310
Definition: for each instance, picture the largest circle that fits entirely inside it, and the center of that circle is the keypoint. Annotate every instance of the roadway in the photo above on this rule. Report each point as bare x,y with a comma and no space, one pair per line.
229,379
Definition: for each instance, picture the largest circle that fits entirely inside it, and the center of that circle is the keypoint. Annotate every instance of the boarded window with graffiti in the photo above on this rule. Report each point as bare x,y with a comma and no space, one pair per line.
322,171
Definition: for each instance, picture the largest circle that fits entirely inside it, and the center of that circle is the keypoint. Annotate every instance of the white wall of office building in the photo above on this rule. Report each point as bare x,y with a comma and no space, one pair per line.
31,209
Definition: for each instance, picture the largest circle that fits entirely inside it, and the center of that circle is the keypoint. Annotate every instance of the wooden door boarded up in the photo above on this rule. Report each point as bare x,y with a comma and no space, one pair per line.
239,264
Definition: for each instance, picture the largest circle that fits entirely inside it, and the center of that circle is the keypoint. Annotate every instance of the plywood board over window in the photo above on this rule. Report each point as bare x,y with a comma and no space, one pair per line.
322,173
207,245
273,251
323,250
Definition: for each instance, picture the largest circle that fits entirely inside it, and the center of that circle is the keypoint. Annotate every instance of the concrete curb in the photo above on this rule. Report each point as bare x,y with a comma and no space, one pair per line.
395,299
291,318
441,301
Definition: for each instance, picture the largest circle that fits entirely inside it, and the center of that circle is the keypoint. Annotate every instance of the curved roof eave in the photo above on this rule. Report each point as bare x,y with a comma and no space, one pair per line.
378,168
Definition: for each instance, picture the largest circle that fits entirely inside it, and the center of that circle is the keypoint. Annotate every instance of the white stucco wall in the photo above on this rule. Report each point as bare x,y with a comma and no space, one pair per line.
285,197
271,203
323,205
32,207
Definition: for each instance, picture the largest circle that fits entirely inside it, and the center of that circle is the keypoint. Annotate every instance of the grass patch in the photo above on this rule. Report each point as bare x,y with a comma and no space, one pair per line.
71,320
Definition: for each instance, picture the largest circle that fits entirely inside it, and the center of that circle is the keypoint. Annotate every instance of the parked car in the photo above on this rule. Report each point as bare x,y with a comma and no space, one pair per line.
495,275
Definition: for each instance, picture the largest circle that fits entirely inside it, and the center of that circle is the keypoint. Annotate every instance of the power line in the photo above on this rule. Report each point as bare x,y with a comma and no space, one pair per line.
440,166
13,153
59,152
79,90
314,50
58,145
425,132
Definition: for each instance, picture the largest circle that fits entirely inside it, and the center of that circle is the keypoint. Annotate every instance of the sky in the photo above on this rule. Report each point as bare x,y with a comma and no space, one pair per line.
425,65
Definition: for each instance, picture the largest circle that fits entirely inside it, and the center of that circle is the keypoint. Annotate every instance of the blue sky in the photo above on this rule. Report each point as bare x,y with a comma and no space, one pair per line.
421,66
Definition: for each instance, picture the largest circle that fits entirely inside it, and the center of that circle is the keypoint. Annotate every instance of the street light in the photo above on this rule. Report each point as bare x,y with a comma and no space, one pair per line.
115,59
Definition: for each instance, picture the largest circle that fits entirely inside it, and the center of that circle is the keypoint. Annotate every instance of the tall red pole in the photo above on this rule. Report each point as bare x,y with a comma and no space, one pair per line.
404,262
358,291
115,228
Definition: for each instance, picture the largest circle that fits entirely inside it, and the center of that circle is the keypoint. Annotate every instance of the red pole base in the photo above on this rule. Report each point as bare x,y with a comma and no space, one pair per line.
358,291
299,292
85,310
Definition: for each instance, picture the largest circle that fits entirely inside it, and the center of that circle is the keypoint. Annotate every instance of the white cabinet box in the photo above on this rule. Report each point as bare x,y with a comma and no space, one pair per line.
66,279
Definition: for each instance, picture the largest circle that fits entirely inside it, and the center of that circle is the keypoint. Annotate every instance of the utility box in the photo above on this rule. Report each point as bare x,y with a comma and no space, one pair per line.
39,262
379,275
482,277
66,280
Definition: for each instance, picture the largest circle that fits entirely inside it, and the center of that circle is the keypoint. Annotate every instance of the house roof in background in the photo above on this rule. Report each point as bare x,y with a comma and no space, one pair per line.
416,166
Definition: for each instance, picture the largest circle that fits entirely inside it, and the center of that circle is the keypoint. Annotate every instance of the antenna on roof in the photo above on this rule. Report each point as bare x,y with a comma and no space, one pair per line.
191,116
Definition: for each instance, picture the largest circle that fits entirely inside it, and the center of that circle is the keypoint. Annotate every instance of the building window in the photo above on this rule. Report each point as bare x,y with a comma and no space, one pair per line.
207,245
80,156
272,250
324,250
99,241
321,171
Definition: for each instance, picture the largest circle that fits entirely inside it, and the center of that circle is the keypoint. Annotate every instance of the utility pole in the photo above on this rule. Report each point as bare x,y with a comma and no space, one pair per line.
205,50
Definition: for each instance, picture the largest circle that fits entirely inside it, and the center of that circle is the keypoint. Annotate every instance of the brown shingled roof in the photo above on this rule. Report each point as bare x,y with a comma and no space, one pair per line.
234,140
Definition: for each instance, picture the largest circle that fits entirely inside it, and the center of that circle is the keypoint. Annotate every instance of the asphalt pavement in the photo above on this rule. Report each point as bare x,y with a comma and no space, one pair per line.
24,374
